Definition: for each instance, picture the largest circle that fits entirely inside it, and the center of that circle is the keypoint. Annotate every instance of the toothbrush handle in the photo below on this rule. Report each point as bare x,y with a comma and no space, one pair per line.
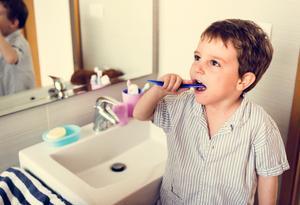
187,85
156,82
161,83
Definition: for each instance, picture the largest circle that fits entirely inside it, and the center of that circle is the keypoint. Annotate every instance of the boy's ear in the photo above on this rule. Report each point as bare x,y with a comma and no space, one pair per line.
14,24
245,81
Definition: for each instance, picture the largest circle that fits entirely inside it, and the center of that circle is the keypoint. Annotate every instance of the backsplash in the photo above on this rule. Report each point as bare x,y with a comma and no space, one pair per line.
25,128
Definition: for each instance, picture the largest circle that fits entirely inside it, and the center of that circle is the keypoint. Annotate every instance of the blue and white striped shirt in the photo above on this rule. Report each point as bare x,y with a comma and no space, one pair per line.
222,169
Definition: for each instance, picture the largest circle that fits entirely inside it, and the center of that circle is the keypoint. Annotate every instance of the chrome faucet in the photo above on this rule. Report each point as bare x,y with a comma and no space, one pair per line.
59,91
104,116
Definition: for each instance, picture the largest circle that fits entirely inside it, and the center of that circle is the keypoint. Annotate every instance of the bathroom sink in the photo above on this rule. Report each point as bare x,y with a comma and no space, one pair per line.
121,165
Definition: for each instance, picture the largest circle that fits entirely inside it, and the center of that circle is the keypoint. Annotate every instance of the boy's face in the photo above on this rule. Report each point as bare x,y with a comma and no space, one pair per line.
216,66
6,25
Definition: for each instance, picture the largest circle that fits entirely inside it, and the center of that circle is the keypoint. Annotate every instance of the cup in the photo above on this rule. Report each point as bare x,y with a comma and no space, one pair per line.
130,100
121,111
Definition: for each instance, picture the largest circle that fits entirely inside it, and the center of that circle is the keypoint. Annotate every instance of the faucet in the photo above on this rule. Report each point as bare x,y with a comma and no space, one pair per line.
59,90
104,116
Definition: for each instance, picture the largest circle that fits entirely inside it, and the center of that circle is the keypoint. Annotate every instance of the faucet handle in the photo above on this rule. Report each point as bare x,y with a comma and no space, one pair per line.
104,106
58,84
106,99
112,117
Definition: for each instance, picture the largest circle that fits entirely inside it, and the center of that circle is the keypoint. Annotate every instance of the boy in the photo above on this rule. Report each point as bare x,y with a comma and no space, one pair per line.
221,146
16,69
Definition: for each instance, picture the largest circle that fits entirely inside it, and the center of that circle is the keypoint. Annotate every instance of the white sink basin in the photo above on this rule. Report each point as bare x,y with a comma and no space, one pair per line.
81,172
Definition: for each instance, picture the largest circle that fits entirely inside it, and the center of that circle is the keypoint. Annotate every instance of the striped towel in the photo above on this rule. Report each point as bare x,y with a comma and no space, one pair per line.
18,186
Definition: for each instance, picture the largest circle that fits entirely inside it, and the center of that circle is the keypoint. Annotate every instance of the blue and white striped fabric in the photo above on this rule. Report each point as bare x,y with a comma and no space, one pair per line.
18,186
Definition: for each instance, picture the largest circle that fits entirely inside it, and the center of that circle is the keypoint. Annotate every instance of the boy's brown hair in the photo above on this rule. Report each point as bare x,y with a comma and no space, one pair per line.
16,10
253,45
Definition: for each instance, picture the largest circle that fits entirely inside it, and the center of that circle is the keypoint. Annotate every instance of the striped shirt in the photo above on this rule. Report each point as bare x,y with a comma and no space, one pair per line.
222,169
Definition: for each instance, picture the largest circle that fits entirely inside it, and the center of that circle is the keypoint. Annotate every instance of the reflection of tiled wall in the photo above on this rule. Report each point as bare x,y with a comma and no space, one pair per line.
117,34
53,38
23,129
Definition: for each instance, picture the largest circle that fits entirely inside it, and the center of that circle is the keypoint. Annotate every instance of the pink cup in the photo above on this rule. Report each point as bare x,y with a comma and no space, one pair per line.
121,111
130,100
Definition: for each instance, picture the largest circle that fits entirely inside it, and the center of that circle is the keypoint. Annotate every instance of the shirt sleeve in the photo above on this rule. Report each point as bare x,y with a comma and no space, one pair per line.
270,156
161,116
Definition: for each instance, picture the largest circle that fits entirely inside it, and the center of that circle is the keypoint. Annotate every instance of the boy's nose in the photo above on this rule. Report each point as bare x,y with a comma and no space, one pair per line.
199,69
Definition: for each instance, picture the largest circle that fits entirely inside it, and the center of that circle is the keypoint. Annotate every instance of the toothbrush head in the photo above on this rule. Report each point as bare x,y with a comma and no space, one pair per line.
145,88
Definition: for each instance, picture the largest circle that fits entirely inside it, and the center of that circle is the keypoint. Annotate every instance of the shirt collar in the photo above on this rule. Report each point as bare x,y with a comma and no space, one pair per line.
12,35
198,111
239,117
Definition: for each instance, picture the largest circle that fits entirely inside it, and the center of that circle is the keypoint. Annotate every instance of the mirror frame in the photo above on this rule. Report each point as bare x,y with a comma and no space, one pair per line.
31,98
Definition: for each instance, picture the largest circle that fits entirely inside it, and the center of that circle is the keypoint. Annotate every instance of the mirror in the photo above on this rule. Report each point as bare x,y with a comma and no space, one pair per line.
85,34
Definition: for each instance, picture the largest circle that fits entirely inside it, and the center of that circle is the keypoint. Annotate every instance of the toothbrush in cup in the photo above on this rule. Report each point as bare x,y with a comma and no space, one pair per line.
198,86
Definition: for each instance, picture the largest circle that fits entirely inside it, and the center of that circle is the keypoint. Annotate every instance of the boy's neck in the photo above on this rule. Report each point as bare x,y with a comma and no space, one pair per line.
223,108
11,32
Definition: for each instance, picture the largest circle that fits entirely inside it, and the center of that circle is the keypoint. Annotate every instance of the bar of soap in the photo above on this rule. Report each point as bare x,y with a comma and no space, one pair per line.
56,133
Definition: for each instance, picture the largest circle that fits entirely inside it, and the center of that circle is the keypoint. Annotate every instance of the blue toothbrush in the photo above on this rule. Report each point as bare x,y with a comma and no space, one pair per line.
194,85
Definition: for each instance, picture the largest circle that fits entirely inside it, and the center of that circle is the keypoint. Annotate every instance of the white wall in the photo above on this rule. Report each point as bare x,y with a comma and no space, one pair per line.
181,23
54,39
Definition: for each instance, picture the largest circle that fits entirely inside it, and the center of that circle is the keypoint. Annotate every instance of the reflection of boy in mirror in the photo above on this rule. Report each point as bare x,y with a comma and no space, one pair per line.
16,69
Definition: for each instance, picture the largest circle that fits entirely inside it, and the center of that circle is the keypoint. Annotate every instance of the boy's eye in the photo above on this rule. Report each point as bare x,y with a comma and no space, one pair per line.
196,58
215,63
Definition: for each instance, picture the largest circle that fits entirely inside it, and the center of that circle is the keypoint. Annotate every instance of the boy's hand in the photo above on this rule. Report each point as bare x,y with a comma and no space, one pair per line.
8,52
172,83
146,106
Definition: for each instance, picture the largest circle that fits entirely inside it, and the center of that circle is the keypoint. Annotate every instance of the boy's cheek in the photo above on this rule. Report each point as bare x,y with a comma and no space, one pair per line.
192,72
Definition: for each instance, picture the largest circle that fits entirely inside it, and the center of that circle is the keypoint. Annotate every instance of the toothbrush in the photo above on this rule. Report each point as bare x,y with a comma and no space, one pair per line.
145,88
193,85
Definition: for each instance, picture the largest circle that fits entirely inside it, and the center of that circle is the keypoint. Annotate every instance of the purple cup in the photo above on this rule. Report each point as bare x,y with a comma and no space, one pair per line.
130,100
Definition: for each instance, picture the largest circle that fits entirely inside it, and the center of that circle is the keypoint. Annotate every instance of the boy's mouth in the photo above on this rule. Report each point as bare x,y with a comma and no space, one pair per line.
200,88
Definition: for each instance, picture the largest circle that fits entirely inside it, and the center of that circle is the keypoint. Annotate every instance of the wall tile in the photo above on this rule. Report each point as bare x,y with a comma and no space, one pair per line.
18,131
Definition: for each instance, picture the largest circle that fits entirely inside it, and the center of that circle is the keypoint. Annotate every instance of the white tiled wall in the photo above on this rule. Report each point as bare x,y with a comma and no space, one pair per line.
18,131
25,128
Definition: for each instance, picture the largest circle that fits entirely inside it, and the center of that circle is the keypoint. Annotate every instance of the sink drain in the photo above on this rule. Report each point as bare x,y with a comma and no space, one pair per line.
118,167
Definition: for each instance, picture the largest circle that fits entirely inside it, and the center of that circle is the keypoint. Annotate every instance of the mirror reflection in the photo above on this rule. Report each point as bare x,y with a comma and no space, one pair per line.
85,36
117,34
16,68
